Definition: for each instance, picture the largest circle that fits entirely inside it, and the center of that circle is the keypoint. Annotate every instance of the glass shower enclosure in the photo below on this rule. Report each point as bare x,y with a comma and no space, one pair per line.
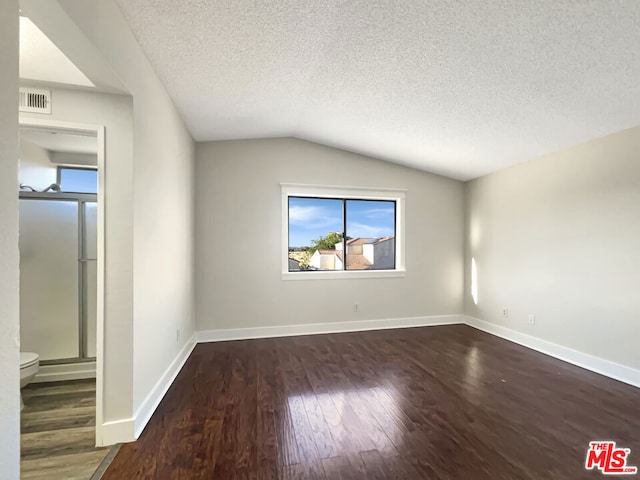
58,276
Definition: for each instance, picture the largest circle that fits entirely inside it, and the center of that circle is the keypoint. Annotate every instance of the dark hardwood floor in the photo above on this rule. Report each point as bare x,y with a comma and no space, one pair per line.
435,403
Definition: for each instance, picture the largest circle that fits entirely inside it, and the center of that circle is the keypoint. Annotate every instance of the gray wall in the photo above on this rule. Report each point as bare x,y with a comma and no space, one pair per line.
9,277
559,237
238,238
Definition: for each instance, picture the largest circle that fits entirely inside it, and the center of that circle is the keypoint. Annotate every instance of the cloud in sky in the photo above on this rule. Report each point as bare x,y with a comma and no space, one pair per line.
374,213
313,217
362,230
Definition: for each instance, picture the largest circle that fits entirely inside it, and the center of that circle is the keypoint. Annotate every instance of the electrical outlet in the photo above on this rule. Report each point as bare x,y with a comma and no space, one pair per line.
505,312
532,319
356,307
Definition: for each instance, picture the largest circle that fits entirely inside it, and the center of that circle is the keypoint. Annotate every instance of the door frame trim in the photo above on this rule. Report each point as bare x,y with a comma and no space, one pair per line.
99,132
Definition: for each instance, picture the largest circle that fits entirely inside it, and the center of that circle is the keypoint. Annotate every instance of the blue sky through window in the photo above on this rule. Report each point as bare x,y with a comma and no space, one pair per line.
79,180
310,218
370,219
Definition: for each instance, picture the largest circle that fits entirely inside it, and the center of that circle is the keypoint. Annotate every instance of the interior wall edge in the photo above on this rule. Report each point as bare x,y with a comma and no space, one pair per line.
129,429
589,362
152,400
9,254
117,431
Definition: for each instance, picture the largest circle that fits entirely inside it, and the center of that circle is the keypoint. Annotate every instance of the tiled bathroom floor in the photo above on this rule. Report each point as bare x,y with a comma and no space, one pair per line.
58,431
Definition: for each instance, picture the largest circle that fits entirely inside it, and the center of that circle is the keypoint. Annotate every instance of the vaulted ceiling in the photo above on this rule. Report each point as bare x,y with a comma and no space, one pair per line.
42,61
460,88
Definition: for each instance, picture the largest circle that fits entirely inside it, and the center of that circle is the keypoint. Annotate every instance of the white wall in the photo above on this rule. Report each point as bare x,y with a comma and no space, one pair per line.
9,278
115,112
238,238
68,158
559,237
35,167
162,201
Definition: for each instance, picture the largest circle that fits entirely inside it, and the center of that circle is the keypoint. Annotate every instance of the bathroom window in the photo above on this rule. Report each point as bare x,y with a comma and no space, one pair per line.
78,179
342,232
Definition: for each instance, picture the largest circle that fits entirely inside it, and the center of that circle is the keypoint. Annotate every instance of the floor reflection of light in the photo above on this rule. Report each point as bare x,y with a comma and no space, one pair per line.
353,418
473,371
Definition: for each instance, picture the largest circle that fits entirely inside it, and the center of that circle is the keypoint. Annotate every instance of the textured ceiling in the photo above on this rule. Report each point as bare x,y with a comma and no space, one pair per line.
460,88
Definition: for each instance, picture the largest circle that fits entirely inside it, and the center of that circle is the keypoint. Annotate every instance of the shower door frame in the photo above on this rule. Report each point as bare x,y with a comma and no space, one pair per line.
98,131
81,199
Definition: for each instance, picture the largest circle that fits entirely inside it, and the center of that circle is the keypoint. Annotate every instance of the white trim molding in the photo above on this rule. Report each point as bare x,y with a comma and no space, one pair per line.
342,274
344,192
321,328
129,429
66,371
117,431
584,360
151,402
99,132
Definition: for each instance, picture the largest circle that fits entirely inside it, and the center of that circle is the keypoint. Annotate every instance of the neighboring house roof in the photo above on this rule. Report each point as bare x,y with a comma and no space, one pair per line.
365,241
383,239
294,264
338,253
357,262
360,241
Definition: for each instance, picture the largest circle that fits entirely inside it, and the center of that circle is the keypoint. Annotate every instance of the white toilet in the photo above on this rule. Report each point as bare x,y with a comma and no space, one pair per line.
29,364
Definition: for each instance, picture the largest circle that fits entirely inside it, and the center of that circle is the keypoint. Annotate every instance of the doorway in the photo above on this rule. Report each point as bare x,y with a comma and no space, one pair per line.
61,208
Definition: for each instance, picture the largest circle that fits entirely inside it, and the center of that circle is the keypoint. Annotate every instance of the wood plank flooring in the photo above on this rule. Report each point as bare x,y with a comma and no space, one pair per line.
435,403
58,431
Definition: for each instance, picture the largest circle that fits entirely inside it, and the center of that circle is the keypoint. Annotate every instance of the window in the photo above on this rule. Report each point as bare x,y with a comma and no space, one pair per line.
78,180
340,232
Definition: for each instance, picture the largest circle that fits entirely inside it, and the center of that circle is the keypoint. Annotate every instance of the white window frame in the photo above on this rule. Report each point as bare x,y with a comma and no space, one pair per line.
355,193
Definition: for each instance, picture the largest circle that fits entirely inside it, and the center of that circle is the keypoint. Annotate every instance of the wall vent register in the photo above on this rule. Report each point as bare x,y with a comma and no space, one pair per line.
35,100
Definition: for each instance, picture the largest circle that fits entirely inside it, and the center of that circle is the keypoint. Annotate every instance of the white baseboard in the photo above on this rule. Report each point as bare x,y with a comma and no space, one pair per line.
118,431
595,364
129,429
66,371
149,405
320,328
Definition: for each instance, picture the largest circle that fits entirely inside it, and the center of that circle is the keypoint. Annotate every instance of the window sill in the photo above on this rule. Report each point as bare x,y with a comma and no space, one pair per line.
342,275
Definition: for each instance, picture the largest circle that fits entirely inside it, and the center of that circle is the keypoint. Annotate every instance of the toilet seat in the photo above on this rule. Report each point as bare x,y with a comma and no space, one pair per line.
28,359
